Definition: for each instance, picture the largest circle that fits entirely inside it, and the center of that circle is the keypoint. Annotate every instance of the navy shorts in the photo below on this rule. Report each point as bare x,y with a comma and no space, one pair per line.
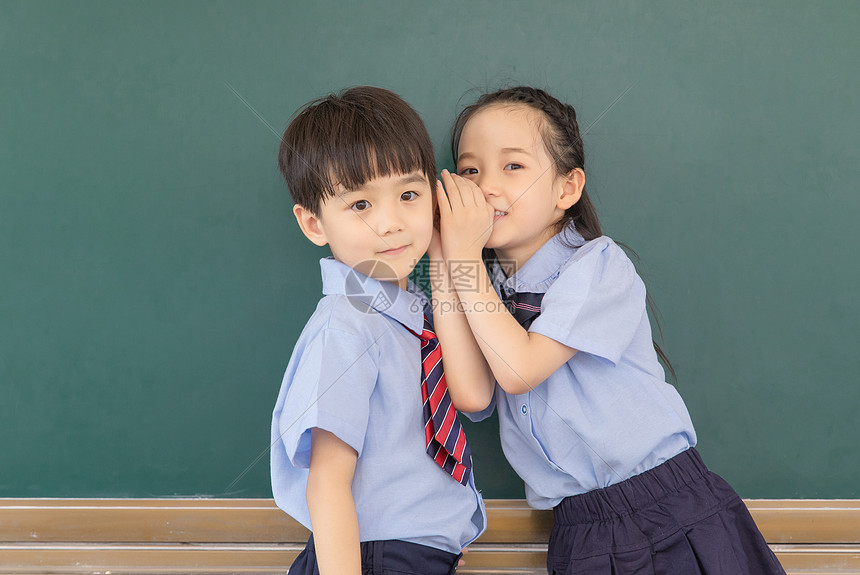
390,557
676,519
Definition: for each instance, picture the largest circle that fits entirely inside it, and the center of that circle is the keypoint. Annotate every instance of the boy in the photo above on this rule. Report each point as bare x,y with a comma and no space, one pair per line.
349,451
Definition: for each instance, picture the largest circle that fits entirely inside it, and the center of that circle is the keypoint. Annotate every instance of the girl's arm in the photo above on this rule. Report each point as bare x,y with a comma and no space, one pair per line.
467,374
519,360
331,505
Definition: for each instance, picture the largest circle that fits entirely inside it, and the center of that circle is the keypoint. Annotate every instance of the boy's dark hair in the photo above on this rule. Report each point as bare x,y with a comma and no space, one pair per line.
350,138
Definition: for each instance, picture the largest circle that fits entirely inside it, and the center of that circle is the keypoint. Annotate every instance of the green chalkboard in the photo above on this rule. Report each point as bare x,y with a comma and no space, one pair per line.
154,281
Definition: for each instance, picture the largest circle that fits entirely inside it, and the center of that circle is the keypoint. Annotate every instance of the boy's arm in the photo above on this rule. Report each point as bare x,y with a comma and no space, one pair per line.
467,374
519,360
331,505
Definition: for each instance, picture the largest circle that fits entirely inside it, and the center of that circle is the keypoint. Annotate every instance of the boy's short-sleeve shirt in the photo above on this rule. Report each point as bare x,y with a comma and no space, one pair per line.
356,372
608,413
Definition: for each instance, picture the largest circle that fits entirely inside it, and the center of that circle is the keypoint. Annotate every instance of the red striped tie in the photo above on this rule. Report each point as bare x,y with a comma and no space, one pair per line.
444,436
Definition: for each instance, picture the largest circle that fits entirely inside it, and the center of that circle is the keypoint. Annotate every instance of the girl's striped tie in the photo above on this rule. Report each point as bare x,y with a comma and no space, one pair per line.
524,306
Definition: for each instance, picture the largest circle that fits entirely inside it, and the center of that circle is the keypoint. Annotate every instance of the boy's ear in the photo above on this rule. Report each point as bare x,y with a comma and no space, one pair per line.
310,225
571,188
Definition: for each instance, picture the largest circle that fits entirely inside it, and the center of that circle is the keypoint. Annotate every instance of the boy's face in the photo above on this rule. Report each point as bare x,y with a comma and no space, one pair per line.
388,220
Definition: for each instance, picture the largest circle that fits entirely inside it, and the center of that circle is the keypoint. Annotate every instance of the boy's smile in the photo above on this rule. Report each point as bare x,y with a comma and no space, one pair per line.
394,251
388,220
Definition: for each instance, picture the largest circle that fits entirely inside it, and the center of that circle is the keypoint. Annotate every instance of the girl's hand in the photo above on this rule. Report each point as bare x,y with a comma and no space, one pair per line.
435,269
462,560
434,251
466,219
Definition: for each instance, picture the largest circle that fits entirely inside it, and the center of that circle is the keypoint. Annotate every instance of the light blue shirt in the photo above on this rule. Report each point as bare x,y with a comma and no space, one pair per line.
356,372
608,413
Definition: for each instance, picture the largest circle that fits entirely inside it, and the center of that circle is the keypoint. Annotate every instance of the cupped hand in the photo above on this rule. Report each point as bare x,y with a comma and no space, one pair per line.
466,219
434,250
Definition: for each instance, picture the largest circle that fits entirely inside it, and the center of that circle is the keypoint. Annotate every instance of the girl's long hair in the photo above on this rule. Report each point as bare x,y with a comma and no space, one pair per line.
563,141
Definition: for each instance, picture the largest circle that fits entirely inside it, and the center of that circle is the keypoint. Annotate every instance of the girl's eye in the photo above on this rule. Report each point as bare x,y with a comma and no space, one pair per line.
408,196
468,171
513,166
360,205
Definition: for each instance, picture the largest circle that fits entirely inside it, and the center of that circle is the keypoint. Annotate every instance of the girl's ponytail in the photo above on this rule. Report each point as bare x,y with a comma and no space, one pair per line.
563,142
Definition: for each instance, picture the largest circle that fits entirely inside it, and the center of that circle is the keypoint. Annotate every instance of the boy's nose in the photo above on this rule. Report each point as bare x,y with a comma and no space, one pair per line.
389,222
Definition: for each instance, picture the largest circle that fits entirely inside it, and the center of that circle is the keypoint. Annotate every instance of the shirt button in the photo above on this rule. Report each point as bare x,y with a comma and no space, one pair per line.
524,409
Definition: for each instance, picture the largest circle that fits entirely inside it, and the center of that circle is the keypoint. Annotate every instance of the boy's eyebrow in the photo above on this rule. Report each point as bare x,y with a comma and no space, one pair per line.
413,178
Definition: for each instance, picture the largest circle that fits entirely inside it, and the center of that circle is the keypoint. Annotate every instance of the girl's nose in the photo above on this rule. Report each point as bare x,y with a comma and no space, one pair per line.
488,184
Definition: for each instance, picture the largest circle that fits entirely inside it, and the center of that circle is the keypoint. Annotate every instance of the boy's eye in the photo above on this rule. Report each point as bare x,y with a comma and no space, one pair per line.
408,196
468,171
513,166
360,205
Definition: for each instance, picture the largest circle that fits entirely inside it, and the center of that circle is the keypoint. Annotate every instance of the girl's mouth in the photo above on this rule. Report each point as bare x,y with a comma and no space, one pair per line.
498,214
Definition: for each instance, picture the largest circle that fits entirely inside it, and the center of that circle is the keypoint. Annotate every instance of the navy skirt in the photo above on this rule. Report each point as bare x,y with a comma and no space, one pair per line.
385,558
676,519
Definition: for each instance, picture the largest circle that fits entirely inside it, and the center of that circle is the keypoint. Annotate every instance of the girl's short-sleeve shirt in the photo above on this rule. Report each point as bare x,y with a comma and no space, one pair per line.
356,372
608,413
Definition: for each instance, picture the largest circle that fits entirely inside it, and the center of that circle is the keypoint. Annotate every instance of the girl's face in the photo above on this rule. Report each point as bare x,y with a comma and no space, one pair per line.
501,149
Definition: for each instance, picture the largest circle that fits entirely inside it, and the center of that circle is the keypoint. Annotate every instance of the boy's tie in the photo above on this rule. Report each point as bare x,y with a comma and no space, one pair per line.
525,306
443,434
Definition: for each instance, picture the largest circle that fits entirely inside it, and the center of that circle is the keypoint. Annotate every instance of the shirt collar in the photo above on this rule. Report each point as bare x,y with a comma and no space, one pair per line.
370,295
542,269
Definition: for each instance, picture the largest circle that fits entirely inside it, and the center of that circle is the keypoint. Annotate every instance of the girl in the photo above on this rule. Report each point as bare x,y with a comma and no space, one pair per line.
586,416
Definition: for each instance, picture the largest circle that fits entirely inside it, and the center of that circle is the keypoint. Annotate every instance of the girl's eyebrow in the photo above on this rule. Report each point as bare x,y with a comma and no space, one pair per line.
516,150
471,156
